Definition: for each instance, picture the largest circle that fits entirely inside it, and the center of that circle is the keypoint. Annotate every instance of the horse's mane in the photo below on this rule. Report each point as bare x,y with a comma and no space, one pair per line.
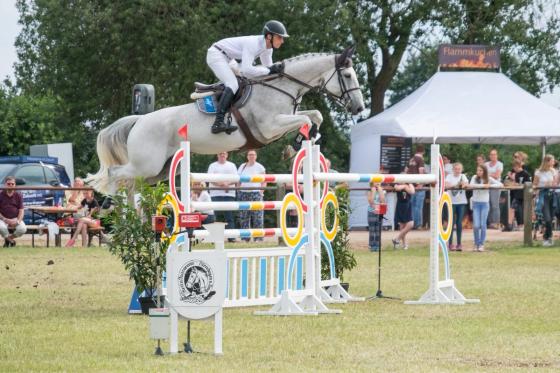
306,56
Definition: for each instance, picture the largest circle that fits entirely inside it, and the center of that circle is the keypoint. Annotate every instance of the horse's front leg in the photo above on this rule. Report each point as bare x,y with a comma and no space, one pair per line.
314,115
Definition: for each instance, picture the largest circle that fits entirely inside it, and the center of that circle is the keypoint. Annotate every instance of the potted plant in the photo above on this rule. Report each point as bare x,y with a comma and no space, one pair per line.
134,241
343,257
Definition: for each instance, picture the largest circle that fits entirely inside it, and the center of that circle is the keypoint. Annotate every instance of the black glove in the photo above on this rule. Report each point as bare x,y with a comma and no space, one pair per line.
277,68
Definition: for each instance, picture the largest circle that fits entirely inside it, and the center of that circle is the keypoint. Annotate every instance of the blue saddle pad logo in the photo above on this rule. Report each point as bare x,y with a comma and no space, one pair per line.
207,104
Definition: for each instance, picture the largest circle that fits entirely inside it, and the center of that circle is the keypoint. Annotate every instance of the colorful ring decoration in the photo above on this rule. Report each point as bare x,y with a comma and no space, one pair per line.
445,201
297,164
169,199
177,157
329,199
289,199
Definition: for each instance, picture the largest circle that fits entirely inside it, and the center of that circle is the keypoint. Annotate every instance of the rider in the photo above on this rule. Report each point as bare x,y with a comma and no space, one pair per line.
246,49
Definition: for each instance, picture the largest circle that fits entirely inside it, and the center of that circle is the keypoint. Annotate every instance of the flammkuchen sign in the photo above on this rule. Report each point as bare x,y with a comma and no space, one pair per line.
469,56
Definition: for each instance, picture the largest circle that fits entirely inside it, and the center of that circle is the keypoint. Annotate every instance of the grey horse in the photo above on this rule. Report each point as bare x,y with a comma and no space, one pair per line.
141,146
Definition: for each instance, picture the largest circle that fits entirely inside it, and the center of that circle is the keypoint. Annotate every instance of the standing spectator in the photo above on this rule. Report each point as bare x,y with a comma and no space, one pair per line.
376,197
545,177
251,219
416,166
480,204
447,165
459,200
11,213
403,213
74,198
198,194
495,169
223,166
518,176
522,158
480,159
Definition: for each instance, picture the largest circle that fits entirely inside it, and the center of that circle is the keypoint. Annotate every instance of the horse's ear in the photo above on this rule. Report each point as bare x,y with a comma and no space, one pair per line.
344,59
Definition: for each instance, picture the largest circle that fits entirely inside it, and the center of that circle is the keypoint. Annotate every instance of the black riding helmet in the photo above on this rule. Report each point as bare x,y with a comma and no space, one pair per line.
275,27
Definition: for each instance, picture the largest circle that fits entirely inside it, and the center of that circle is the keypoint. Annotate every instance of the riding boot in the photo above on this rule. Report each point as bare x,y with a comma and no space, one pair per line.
223,106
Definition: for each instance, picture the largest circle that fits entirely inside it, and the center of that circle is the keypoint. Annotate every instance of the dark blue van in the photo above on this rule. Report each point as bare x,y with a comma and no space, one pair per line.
35,171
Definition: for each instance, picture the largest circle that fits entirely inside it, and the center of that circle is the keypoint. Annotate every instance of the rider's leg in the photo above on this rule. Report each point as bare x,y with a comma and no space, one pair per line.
220,66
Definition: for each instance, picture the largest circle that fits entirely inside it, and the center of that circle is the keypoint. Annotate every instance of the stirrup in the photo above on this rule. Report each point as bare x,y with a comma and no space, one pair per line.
230,129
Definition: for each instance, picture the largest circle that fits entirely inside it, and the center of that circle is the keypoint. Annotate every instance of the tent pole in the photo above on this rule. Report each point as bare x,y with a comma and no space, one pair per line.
543,149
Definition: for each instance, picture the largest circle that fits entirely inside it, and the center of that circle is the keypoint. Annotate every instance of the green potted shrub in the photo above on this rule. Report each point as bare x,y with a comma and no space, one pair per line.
343,257
134,242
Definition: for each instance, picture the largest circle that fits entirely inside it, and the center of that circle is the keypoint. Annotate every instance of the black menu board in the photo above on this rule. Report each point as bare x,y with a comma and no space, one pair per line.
395,154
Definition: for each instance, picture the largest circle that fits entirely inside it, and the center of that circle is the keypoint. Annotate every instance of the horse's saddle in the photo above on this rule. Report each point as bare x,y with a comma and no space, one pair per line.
208,95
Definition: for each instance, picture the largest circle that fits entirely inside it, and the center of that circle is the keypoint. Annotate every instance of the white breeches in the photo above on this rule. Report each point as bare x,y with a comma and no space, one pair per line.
219,64
19,231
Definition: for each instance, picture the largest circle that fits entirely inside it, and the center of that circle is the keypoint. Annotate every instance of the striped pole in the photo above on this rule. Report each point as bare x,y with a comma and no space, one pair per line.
376,178
265,178
236,206
248,233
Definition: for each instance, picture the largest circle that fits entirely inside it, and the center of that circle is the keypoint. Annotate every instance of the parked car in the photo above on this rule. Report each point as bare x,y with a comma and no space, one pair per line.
36,171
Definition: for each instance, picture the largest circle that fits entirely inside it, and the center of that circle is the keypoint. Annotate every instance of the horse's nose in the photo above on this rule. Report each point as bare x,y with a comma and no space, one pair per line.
359,110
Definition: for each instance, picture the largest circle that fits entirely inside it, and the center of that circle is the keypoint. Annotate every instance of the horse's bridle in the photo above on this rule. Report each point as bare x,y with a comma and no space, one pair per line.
343,99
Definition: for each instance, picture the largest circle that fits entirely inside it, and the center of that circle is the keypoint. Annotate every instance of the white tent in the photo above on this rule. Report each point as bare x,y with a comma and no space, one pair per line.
454,107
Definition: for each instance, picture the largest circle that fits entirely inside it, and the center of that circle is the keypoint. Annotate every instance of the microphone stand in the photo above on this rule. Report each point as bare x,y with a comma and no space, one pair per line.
379,293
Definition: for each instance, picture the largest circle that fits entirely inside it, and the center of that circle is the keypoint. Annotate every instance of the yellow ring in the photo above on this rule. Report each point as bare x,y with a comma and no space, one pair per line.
329,198
288,199
169,199
445,200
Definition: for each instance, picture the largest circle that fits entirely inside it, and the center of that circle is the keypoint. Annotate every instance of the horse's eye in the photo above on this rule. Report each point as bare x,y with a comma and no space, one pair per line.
347,75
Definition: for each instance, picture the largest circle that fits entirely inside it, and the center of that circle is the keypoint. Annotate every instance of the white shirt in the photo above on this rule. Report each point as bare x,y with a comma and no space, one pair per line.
499,166
204,197
246,170
448,168
483,195
222,168
458,197
545,177
248,49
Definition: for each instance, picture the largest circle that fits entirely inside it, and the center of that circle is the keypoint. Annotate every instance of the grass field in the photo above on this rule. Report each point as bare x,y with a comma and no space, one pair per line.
71,316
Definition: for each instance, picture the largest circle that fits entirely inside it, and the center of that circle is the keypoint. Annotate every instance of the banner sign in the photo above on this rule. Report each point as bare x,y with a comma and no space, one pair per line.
469,56
395,154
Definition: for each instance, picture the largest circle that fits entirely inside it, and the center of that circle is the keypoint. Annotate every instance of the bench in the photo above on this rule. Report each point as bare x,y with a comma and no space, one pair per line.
33,230
92,233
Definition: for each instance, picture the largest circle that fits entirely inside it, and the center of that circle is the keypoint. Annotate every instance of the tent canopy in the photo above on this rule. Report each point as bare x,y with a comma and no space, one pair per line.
467,107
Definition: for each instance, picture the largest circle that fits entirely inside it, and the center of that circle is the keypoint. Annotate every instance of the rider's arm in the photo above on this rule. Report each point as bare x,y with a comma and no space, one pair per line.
266,57
247,68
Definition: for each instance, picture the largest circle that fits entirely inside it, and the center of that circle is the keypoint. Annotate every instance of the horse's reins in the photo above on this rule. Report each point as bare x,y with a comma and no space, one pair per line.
343,99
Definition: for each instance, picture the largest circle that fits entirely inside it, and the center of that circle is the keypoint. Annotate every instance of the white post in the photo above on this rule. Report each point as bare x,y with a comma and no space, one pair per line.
308,192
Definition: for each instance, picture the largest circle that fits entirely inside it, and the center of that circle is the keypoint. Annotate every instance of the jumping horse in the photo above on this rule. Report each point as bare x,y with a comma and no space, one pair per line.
142,145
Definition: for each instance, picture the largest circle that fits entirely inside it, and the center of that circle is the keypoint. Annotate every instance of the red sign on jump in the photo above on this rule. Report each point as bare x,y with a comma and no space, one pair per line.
190,220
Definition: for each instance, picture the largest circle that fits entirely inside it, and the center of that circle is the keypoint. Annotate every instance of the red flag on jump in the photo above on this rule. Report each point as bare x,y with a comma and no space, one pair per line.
304,130
183,131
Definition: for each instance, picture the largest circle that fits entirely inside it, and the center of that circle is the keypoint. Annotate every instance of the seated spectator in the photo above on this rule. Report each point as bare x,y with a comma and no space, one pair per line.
198,194
90,207
11,213
74,198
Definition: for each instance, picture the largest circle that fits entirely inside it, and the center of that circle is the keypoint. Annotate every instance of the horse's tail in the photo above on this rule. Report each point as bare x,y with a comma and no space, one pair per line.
111,151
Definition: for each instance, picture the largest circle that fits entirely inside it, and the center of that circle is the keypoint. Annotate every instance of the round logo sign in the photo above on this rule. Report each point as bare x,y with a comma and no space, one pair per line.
196,282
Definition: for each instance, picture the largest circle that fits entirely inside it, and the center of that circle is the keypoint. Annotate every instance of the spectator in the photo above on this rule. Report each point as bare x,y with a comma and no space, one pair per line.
74,198
495,169
447,165
403,214
11,213
517,176
90,208
480,204
545,177
416,166
521,157
376,197
199,194
223,166
480,159
459,201
249,218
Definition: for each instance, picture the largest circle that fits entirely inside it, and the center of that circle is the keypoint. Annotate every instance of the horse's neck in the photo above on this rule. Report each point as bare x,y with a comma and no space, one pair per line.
310,68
